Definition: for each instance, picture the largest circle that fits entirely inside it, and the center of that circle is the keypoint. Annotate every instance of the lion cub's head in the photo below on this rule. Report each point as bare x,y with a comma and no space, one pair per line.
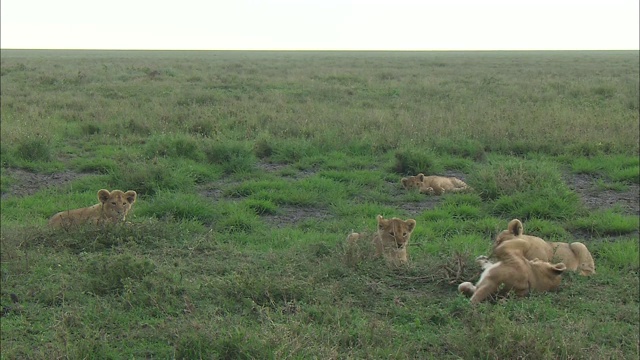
413,182
548,274
116,204
395,232
417,183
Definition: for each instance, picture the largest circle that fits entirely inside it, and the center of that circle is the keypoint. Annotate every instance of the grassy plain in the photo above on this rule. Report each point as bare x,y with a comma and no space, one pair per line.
251,169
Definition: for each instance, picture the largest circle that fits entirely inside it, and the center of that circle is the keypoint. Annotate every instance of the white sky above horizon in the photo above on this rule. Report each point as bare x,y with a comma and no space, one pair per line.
321,24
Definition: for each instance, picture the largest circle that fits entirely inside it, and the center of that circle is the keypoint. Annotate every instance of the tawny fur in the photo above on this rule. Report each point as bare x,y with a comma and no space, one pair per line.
513,272
575,255
434,185
391,239
112,208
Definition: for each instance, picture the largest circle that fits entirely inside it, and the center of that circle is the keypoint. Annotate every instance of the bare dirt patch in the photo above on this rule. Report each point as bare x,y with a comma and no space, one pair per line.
593,198
28,183
288,215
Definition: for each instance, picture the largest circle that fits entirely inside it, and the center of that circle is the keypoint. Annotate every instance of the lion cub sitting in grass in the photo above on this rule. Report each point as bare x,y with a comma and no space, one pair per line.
513,272
113,208
575,256
434,185
390,240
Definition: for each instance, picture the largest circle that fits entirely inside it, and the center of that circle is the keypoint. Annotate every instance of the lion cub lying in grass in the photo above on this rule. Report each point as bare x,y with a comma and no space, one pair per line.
575,256
113,208
512,272
434,185
390,240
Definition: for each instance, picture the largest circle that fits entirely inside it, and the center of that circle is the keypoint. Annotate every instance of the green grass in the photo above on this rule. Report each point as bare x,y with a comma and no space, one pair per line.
251,169
615,167
607,222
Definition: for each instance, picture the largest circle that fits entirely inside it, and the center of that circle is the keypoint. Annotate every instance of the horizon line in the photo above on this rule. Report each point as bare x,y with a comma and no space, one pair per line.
316,50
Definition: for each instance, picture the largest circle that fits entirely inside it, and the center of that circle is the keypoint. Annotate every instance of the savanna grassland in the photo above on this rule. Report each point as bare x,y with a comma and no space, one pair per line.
252,167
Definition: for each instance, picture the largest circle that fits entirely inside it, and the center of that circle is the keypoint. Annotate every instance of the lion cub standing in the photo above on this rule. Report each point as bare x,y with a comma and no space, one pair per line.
575,256
113,208
390,240
434,185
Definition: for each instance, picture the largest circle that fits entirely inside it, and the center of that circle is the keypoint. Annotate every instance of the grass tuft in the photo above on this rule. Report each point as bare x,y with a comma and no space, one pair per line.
36,149
413,162
234,157
112,274
607,222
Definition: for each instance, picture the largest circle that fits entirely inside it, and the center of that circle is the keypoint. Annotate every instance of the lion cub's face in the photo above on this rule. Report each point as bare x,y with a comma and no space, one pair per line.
413,182
116,204
417,183
395,232
549,274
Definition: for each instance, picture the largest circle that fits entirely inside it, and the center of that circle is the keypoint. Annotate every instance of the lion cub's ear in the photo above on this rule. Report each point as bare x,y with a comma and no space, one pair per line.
559,268
404,182
131,196
421,176
515,227
411,224
103,195
381,221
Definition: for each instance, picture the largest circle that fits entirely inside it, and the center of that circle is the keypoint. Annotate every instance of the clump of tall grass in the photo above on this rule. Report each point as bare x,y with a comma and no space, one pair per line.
285,151
90,129
525,189
509,176
620,254
108,274
151,178
204,128
179,206
262,148
606,222
172,146
261,206
467,148
97,165
34,149
233,157
413,162
616,167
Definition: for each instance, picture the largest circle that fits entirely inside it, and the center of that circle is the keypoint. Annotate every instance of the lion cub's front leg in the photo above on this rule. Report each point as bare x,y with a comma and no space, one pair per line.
427,190
485,286
485,289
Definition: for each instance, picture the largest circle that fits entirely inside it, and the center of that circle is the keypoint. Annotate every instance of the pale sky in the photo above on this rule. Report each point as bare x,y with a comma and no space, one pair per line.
321,24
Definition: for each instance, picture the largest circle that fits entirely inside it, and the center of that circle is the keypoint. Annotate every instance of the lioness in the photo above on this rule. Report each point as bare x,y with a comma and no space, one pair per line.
575,256
434,185
390,240
514,272
113,208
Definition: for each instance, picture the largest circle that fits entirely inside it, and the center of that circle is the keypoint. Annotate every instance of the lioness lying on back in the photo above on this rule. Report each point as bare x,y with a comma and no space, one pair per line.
434,185
390,240
575,256
113,208
512,272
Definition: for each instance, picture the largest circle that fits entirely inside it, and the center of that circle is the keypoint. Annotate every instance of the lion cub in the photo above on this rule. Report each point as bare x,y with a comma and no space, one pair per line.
575,256
513,272
113,208
434,185
390,240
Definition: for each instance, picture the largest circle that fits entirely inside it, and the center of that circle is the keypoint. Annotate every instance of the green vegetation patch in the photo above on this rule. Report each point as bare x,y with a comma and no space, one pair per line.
607,222
253,167
615,167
